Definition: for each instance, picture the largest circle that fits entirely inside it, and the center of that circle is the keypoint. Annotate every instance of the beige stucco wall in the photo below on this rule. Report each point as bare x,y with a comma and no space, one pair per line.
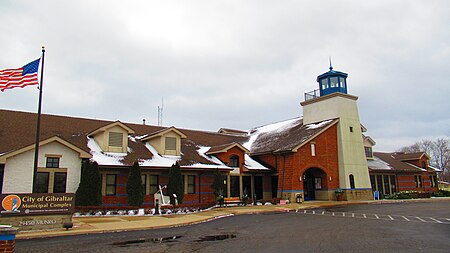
159,143
102,140
352,158
19,169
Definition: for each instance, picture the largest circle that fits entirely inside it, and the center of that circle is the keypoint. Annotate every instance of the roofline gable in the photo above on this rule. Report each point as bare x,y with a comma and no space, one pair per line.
163,132
116,123
82,153
314,136
228,147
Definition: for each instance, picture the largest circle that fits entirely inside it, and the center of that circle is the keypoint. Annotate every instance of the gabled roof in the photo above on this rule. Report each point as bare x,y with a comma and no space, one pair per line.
285,136
409,156
162,132
387,161
116,123
369,139
82,153
231,131
225,147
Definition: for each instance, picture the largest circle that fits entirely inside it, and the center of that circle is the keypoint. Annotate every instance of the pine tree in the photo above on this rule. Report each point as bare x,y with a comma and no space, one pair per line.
175,185
89,192
135,189
217,186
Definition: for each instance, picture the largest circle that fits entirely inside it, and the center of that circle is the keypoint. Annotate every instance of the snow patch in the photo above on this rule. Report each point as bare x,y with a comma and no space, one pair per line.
104,158
275,128
252,164
378,164
317,125
157,159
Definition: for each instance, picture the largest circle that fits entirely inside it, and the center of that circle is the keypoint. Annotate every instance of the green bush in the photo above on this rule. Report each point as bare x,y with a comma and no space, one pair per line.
409,195
135,189
89,192
441,193
176,184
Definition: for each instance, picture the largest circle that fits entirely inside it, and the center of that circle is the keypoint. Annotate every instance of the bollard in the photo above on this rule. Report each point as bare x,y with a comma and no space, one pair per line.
157,206
7,238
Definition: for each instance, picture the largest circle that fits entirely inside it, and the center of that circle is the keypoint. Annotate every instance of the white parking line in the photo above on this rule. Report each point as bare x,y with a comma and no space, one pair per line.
438,221
314,212
364,215
390,217
343,214
421,219
353,215
448,219
376,216
332,214
304,211
406,218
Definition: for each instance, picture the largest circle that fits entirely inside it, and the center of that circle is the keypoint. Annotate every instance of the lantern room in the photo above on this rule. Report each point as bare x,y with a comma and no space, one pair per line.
332,81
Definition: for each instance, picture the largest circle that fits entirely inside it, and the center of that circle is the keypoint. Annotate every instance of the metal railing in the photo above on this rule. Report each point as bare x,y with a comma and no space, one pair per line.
312,94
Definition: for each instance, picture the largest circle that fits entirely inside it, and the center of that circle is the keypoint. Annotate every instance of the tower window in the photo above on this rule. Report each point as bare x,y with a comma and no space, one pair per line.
334,82
351,129
368,151
324,83
313,149
352,181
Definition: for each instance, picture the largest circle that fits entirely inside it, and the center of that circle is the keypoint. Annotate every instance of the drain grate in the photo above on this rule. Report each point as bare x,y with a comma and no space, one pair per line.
154,240
210,238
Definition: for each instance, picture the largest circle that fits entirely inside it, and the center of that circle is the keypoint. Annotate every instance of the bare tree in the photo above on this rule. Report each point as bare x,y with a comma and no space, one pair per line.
439,152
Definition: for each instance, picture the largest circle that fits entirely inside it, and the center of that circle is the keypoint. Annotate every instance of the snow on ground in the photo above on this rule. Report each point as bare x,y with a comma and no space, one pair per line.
275,127
252,164
317,125
103,158
157,159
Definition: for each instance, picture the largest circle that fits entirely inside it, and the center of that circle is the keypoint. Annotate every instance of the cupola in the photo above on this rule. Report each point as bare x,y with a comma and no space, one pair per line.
332,81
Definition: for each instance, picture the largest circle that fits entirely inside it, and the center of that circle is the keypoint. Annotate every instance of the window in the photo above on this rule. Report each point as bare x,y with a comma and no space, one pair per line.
368,151
52,162
352,181
2,172
418,181
191,184
42,182
373,182
433,181
351,129
115,139
334,82
393,183
111,180
144,183
318,183
234,186
313,149
234,161
171,143
154,184
342,82
324,83
59,182
424,165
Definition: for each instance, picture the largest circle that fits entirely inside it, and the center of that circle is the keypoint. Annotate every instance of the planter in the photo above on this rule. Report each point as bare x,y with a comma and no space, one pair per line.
340,197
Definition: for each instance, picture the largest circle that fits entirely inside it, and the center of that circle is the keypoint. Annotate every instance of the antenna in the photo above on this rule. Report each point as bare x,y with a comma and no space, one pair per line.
160,112
331,66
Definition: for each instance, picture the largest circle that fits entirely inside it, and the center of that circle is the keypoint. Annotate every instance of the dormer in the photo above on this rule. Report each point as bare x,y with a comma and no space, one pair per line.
112,137
166,141
368,144
232,154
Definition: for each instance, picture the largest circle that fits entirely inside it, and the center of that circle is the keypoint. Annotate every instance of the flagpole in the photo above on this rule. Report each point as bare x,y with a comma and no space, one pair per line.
38,127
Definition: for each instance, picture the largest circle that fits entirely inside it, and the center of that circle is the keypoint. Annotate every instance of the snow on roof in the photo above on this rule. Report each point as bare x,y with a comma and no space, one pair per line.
216,162
252,164
434,168
275,127
317,125
157,159
104,158
378,164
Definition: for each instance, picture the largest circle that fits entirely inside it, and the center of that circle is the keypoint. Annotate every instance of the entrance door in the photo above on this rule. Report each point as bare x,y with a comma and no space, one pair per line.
308,186
258,187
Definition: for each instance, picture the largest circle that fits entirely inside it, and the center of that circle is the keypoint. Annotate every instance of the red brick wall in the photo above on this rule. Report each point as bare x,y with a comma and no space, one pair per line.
7,246
225,157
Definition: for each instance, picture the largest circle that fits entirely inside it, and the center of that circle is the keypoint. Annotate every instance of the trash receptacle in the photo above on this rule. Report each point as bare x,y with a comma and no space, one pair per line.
298,198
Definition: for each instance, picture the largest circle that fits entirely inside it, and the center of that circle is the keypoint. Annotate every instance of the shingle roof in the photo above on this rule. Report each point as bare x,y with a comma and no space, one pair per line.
408,156
17,130
390,162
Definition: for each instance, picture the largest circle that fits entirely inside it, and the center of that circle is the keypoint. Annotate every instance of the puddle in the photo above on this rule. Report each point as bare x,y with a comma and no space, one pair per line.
154,240
210,238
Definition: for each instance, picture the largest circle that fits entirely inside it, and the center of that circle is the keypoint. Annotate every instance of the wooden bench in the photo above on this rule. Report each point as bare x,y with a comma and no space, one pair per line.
232,200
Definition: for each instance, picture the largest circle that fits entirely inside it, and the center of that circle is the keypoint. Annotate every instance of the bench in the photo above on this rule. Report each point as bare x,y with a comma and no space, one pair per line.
232,200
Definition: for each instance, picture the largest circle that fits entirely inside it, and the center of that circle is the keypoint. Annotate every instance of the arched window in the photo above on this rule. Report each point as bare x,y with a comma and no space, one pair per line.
352,181
234,161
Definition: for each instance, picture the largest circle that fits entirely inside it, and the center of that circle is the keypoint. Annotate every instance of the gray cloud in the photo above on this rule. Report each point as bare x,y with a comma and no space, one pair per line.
234,64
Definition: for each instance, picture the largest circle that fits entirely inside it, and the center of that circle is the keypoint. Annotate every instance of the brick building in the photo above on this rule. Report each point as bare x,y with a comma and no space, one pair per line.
310,156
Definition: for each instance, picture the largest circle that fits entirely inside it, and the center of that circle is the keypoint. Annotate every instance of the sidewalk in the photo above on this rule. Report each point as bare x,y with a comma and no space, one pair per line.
87,225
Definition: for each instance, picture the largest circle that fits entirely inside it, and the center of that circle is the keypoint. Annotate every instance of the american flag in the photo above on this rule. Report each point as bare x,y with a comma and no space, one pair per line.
21,77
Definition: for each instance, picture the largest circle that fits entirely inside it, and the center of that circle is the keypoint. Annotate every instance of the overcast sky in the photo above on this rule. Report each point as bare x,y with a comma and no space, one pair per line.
235,64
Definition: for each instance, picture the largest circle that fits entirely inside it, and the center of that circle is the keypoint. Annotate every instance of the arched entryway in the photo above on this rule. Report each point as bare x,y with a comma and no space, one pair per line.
314,180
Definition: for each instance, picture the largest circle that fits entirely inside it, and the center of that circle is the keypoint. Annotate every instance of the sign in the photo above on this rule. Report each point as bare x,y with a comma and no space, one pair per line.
35,203
283,202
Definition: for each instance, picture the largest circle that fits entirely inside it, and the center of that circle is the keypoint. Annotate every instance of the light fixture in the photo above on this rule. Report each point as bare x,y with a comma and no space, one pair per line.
330,179
300,178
